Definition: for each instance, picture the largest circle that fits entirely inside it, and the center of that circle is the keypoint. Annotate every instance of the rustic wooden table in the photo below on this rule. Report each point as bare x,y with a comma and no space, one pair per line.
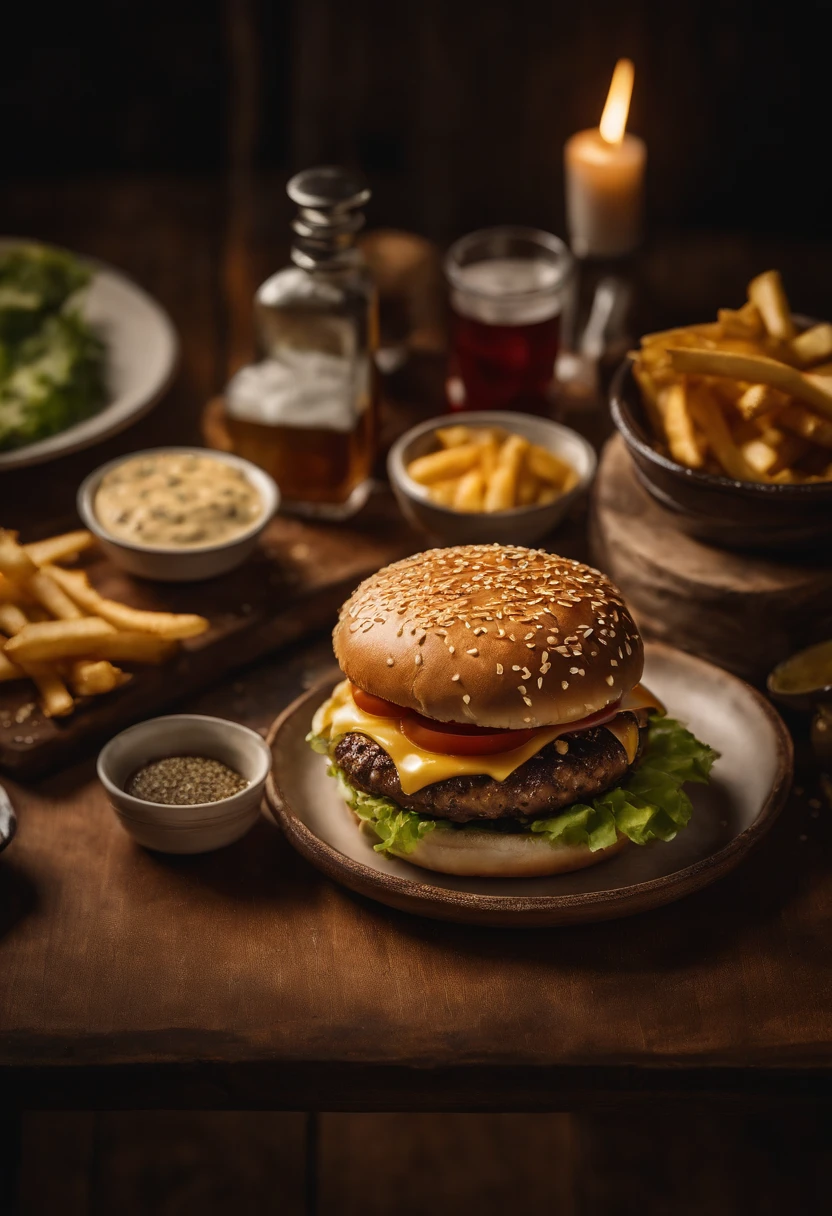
246,980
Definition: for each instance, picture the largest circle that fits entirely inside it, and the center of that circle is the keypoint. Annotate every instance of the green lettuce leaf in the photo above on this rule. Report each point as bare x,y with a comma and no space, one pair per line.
650,803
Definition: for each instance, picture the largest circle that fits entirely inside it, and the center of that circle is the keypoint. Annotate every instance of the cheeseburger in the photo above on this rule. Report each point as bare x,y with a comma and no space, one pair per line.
492,721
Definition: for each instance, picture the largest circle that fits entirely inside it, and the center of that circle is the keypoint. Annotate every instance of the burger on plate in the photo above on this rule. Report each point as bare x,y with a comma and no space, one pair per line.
492,722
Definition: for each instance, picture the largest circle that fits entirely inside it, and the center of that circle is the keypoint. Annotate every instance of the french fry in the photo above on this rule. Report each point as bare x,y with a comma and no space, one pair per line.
547,466
8,669
15,562
439,466
711,422
528,487
682,439
744,322
59,548
453,436
46,592
12,618
767,293
802,422
760,399
813,345
443,492
470,492
650,397
43,641
166,624
94,677
547,494
132,647
761,369
499,493
55,698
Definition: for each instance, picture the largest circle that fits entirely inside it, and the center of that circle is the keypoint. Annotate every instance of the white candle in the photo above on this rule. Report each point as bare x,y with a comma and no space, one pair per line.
605,178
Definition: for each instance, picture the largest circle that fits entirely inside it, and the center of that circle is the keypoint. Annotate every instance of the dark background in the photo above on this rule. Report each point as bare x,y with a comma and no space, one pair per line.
457,110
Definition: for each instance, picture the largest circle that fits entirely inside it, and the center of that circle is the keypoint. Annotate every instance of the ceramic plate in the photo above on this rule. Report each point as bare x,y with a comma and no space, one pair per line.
142,350
8,822
748,788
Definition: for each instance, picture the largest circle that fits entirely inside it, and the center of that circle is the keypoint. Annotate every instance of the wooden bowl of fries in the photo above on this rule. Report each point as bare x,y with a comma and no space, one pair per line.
493,477
729,423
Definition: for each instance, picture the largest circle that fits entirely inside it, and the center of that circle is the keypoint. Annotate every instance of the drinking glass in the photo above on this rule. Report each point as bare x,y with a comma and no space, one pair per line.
509,288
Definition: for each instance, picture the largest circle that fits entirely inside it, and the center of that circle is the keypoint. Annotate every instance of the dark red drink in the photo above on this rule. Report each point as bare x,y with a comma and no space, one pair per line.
508,288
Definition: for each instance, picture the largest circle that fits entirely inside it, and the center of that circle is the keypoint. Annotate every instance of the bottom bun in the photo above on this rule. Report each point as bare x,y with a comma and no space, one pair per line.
484,854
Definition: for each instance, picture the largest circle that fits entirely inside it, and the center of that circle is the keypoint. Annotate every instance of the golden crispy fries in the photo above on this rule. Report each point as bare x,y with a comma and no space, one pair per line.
15,562
745,322
760,399
94,677
443,492
547,466
710,420
766,292
802,422
131,647
439,466
55,698
757,369
485,469
59,548
42,641
46,592
470,492
12,618
8,669
682,438
166,624
813,345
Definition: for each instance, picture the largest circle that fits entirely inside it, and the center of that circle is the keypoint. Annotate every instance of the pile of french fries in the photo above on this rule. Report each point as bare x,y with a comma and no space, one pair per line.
745,395
58,632
487,469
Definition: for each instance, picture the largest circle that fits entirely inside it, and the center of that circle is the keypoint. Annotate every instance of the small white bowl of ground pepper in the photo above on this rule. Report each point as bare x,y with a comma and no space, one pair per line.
185,783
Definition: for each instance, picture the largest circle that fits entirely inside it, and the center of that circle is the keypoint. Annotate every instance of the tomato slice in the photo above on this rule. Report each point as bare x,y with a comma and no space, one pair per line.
376,706
457,739
466,739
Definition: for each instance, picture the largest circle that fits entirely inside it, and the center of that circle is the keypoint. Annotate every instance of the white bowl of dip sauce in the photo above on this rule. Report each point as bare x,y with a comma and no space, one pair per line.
178,514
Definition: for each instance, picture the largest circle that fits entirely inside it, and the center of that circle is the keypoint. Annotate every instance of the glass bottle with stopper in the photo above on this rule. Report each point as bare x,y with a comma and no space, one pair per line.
307,411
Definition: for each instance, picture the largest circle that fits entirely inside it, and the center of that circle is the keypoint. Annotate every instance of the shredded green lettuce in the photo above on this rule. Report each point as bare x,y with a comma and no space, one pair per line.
650,803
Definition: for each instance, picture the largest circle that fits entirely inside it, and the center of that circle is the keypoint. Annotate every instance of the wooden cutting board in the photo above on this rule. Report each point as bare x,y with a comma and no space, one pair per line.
293,586
739,610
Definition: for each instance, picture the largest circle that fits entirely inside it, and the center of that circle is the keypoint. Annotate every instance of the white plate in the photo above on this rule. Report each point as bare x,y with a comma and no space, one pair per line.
748,788
142,350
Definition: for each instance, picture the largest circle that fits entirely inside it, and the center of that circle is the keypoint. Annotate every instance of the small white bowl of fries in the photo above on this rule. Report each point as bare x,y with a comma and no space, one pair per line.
58,632
496,477
729,422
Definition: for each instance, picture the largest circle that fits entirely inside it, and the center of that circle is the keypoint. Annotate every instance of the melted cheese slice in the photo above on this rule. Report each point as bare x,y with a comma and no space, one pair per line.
417,768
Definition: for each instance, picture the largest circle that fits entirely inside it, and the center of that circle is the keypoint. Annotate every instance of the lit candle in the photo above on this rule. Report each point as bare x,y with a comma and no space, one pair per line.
605,177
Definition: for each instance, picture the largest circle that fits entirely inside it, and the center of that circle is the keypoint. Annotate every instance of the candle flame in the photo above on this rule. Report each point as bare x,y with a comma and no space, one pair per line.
614,119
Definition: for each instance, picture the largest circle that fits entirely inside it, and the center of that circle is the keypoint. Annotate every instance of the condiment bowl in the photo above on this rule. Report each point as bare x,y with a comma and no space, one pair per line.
178,564
721,510
518,526
804,679
196,828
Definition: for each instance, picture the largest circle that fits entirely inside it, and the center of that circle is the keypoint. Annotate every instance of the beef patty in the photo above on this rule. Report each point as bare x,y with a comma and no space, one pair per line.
595,762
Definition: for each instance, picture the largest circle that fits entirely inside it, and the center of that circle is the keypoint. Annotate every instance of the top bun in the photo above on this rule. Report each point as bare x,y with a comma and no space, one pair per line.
491,634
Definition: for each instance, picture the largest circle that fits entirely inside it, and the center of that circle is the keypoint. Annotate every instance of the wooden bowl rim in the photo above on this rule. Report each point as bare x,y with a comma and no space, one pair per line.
443,903
624,383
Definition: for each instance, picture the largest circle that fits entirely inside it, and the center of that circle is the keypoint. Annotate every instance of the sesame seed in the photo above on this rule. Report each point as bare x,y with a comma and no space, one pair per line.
528,701
610,681
515,667
613,662
561,747
564,684
466,699
390,660
540,681
499,669
521,688
545,667
501,633
527,719
573,671
455,678
418,660
452,650
527,675
528,635
545,656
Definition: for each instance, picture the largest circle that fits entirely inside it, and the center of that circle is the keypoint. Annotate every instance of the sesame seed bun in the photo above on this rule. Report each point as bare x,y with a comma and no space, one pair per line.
492,634
485,854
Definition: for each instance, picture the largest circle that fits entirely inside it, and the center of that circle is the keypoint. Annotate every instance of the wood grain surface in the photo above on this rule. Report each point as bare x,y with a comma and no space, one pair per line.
739,610
246,979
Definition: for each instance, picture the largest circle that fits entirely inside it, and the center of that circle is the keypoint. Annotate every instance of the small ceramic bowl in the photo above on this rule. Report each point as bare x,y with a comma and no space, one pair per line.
720,510
518,526
176,564
197,828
